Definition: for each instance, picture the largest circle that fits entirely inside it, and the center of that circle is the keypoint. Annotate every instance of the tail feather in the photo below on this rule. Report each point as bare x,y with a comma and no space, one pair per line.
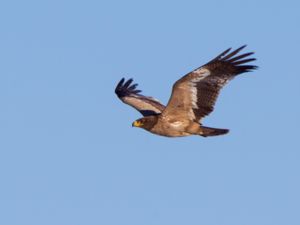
209,131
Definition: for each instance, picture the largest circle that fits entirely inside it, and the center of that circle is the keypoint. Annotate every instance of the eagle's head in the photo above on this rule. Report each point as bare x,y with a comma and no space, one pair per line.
146,122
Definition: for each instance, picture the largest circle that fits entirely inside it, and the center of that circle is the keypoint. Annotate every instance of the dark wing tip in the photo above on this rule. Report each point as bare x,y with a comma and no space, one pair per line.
246,68
127,88
227,57
221,55
224,55
236,61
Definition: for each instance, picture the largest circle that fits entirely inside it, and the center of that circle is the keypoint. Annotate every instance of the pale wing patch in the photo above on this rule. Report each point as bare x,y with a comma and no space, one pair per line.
193,94
140,104
154,99
197,76
220,81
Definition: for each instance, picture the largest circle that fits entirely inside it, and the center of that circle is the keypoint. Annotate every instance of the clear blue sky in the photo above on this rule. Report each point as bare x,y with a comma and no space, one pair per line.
68,154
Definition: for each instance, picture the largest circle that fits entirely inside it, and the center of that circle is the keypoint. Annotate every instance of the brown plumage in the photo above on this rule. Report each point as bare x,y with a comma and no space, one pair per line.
193,97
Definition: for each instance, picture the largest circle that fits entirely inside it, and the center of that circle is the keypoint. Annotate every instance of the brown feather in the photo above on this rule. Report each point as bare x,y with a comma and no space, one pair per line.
194,95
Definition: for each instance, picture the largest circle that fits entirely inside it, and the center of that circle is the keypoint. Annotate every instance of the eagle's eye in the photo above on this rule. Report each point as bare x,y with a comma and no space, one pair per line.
137,123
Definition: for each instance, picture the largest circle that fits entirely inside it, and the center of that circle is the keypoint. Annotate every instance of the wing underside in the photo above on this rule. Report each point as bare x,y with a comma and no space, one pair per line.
127,92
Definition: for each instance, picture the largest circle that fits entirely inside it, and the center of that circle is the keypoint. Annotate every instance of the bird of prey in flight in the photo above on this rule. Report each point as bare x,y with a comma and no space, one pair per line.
193,97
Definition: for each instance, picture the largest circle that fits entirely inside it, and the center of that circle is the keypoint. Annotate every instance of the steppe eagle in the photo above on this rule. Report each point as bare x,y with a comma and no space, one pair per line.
193,97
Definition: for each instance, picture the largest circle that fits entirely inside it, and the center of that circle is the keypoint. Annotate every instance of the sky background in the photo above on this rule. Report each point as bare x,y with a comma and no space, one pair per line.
68,153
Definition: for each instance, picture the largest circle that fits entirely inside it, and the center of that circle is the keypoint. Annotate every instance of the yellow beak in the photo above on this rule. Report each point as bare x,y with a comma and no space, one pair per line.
136,123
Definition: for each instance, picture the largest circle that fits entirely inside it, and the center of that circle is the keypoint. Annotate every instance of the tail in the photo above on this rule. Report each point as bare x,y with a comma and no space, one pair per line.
209,131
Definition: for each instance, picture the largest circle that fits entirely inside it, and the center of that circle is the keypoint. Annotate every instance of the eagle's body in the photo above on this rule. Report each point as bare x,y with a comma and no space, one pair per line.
193,97
159,124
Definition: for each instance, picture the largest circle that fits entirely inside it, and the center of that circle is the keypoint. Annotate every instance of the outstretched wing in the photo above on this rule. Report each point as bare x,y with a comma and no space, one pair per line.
127,92
194,95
